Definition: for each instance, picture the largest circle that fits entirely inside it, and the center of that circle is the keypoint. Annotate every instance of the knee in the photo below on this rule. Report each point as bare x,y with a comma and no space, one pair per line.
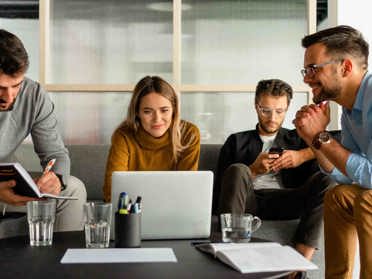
75,187
236,178
237,170
365,199
334,195
331,195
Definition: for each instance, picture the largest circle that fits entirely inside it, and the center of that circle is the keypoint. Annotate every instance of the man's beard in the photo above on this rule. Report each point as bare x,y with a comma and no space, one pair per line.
9,108
328,93
268,130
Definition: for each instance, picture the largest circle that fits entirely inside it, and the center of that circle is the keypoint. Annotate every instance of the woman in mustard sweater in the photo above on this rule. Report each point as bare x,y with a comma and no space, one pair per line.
152,137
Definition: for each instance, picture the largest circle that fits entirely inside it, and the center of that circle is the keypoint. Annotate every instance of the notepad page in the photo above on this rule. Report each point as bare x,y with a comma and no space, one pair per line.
119,255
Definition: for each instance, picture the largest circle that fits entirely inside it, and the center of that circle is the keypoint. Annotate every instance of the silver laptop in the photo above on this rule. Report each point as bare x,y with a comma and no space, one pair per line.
175,204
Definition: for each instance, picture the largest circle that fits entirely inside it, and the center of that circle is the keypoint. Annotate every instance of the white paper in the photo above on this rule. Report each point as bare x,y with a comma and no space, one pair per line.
265,259
256,257
119,255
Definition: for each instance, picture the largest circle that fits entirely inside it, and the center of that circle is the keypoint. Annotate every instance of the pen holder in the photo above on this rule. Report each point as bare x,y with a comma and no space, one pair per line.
127,230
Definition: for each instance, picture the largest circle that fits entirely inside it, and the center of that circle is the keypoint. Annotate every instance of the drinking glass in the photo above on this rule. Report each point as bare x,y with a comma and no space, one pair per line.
238,227
41,216
97,225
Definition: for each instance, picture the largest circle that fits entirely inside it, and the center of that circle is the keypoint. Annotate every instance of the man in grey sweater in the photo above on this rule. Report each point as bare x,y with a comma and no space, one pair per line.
26,109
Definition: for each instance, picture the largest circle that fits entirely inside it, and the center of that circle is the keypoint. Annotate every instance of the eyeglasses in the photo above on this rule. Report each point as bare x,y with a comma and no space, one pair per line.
267,112
311,70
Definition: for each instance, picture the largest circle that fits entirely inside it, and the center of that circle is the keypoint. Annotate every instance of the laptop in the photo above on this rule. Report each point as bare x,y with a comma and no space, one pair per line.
175,204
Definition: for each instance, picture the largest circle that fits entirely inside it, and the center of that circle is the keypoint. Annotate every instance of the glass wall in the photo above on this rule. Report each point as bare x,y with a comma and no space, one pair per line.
221,45
241,42
110,42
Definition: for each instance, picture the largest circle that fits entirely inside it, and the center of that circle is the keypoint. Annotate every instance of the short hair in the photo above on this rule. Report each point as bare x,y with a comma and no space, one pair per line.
13,55
340,41
273,87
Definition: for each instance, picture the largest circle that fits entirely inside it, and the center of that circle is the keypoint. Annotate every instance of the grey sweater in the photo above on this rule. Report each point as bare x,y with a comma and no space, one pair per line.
33,113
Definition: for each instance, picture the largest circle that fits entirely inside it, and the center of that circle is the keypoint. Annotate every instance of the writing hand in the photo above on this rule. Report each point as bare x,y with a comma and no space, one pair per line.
49,183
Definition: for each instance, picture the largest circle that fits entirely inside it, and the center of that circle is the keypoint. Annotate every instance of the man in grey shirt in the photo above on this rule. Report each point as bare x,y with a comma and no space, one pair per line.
25,108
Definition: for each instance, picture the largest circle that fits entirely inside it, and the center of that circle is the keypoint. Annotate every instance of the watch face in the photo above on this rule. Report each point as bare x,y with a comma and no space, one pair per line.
324,137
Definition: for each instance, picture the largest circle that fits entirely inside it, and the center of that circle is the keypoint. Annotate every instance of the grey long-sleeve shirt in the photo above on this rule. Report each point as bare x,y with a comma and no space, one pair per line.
33,113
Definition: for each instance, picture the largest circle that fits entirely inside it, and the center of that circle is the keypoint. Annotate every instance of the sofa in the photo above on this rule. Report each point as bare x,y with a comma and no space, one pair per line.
88,164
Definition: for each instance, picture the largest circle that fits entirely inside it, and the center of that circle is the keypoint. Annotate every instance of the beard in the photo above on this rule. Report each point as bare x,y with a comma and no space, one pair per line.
327,94
268,129
10,107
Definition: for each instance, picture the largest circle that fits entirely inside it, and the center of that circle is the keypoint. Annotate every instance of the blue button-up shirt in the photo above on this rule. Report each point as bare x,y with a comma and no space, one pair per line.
357,137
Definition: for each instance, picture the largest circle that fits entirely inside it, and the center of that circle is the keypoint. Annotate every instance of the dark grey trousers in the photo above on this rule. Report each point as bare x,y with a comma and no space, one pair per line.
304,202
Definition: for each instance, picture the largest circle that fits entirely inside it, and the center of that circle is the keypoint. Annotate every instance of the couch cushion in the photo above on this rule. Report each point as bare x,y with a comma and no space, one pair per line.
88,163
209,156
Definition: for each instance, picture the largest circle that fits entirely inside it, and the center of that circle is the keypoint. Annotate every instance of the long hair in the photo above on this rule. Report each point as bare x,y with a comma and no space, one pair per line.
145,86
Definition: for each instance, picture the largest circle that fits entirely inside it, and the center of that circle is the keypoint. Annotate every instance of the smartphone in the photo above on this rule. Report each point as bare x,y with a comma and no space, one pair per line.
276,150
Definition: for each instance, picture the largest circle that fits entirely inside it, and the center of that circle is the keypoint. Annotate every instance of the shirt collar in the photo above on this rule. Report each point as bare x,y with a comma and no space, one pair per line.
358,104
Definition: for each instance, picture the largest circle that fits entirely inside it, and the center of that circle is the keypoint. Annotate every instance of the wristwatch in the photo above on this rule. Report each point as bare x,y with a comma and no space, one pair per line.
320,139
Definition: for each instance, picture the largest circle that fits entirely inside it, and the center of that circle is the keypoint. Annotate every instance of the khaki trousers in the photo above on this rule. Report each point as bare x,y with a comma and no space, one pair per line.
347,218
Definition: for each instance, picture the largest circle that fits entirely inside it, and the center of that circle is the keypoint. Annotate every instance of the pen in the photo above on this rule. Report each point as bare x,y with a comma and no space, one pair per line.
122,202
4,209
49,166
138,202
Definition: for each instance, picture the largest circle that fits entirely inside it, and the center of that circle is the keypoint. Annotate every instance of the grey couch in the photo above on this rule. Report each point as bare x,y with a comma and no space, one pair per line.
88,164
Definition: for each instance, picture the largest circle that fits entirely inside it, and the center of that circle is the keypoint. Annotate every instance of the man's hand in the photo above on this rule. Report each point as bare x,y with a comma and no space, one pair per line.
8,196
311,120
49,183
263,163
288,159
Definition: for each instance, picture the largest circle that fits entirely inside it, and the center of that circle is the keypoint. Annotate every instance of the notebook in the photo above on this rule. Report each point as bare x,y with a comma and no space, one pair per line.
175,204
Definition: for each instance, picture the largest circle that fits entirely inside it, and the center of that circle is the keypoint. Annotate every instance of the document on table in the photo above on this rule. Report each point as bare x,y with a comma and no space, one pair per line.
258,256
119,255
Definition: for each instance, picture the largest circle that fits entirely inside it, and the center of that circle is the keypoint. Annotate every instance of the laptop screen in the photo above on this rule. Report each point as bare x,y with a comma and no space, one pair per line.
174,204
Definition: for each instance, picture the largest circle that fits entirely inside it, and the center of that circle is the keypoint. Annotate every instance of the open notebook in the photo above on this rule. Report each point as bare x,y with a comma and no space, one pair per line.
258,256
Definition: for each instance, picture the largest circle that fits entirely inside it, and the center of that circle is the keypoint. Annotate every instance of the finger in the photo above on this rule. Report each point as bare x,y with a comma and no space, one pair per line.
7,184
273,156
18,200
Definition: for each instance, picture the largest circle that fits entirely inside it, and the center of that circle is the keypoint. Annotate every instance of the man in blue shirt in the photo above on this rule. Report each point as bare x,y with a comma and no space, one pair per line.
336,61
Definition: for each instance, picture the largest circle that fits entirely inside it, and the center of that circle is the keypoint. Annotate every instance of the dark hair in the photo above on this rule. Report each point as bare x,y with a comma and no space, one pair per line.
339,41
273,87
13,55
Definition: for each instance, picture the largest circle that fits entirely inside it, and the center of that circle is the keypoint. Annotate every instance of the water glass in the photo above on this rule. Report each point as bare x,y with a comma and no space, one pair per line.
97,224
41,216
238,227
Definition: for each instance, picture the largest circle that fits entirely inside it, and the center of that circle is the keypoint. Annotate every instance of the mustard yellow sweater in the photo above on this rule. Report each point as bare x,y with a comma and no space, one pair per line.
141,152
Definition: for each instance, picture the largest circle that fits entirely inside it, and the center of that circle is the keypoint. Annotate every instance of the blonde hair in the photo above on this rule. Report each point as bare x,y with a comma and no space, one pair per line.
145,86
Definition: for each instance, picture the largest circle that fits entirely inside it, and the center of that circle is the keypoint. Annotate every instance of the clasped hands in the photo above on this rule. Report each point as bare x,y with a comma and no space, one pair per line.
311,120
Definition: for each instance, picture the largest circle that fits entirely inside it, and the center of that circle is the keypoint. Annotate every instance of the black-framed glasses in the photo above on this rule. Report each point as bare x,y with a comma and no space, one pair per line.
314,68
267,112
